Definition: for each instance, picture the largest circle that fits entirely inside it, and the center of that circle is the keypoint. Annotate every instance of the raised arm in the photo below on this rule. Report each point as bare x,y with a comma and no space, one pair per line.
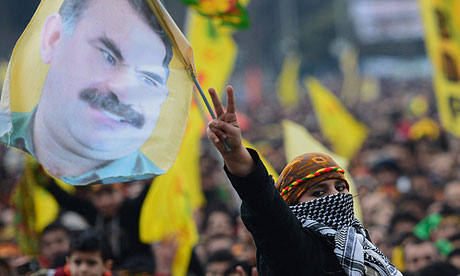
226,127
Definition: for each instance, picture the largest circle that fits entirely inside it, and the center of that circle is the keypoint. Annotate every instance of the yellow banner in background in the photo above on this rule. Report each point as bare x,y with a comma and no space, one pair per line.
287,85
339,127
297,141
214,51
442,39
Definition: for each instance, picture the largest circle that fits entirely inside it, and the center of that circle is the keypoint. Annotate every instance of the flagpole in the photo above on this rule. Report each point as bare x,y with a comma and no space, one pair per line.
198,86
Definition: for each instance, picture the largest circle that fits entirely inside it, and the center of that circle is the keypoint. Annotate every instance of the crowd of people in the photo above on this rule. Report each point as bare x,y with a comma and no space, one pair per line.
408,196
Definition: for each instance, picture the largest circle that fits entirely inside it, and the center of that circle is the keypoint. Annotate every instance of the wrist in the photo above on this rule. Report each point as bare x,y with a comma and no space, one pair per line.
240,163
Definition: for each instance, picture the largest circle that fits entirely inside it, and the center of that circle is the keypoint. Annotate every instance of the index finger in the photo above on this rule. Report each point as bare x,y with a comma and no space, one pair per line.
216,102
231,106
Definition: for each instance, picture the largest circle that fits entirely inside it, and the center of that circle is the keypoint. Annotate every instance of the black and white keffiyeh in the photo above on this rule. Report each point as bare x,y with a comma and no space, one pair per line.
333,217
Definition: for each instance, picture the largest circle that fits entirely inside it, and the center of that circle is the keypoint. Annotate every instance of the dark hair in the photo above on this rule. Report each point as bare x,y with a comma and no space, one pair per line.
90,241
400,217
439,268
56,226
223,255
455,252
218,208
72,11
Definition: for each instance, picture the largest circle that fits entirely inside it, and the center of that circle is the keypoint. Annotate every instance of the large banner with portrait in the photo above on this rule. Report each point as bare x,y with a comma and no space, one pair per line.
98,91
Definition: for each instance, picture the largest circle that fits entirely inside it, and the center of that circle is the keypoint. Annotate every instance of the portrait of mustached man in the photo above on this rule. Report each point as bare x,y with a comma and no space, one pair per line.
108,67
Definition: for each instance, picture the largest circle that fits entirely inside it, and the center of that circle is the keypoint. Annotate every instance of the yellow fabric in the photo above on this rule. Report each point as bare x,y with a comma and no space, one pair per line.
46,207
287,85
352,81
297,141
269,167
397,258
425,127
442,43
418,106
338,126
170,202
214,51
26,75
3,67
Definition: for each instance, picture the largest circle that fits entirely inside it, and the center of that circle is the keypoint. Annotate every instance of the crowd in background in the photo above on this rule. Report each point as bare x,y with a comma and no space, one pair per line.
408,193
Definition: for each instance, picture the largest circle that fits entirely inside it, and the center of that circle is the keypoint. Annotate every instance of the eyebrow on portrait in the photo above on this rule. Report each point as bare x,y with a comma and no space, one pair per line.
112,46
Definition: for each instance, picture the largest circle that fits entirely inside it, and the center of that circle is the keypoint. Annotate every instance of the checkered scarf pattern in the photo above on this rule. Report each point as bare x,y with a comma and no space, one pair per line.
333,217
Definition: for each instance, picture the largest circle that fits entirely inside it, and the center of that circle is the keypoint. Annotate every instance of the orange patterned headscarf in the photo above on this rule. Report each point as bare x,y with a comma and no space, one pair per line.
304,172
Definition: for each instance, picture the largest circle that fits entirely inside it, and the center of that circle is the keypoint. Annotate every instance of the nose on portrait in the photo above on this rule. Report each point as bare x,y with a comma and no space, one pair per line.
121,83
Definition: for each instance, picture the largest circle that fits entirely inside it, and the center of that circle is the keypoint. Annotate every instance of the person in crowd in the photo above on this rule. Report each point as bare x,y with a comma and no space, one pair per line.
240,269
303,226
402,223
219,220
418,254
108,210
88,255
219,262
54,241
439,268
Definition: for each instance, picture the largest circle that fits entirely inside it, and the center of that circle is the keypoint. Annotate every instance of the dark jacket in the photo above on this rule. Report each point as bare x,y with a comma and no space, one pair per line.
284,248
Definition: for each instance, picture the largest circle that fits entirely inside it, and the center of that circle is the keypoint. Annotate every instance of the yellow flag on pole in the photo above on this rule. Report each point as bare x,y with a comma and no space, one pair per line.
338,126
111,93
442,39
287,85
297,141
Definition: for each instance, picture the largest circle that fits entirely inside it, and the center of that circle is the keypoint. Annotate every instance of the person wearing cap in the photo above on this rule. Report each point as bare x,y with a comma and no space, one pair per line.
304,224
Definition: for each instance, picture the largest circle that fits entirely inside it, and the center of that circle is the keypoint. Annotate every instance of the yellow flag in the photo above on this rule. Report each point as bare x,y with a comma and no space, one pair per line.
35,207
442,38
338,126
287,84
170,202
111,93
425,127
297,141
214,51
351,87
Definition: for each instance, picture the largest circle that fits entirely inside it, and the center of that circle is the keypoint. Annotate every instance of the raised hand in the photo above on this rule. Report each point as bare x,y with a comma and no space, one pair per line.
226,127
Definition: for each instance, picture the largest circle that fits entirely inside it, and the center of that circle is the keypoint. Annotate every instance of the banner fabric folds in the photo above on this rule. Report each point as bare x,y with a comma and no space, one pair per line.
338,126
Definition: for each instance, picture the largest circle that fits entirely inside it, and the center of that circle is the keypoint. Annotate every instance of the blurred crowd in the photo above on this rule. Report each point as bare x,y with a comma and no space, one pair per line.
406,176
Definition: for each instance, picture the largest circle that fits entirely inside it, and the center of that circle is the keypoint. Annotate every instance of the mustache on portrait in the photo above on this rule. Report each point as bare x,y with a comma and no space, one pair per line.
109,102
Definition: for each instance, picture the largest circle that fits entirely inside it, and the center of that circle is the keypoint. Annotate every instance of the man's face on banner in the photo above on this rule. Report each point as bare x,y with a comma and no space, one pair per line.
106,81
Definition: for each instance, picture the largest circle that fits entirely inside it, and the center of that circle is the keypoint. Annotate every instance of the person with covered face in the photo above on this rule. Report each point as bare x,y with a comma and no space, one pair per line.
304,224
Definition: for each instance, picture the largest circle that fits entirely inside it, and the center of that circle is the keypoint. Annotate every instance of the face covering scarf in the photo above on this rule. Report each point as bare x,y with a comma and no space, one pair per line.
333,217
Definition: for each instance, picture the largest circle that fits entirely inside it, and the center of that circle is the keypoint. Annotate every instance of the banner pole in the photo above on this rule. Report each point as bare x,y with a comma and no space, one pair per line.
198,86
